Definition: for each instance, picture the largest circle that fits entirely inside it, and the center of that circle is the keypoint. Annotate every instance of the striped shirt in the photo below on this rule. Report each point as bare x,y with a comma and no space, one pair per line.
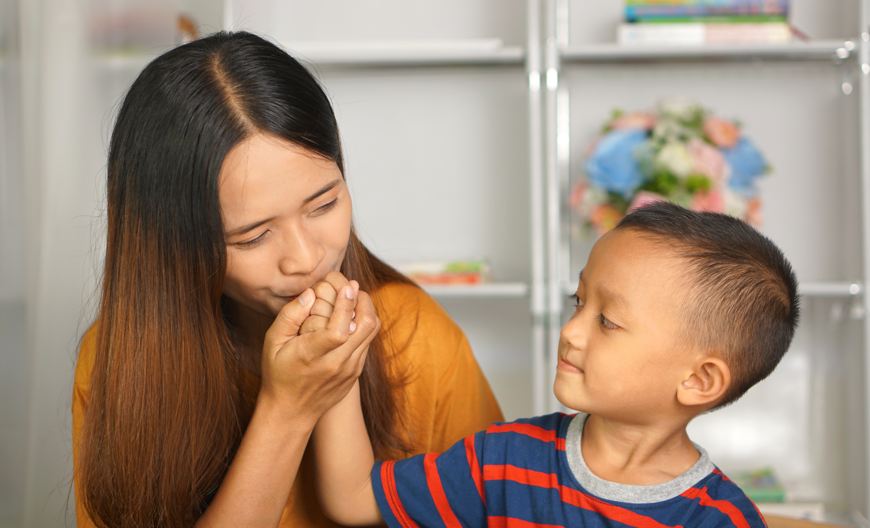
531,473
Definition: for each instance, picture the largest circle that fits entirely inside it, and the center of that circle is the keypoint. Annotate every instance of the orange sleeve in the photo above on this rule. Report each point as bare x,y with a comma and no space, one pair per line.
447,396
84,366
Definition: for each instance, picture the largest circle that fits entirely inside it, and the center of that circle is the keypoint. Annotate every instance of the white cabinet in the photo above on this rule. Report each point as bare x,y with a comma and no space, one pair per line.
807,106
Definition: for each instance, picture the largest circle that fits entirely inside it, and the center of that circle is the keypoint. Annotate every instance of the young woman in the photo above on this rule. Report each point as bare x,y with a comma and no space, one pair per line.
197,387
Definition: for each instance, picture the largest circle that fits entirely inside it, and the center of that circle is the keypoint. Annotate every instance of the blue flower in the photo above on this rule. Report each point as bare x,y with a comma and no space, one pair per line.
613,165
747,164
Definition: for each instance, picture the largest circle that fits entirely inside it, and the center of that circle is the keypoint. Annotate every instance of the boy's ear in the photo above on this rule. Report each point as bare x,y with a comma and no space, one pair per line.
706,383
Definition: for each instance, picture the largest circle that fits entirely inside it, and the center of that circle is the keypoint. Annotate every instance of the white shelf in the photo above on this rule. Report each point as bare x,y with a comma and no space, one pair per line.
477,52
822,50
806,289
123,63
486,290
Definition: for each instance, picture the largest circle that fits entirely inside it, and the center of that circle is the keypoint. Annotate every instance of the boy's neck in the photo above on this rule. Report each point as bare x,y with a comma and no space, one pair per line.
640,455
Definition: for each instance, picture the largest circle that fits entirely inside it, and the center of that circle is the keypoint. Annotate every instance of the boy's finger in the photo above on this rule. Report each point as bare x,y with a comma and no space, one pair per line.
323,308
290,319
313,324
326,292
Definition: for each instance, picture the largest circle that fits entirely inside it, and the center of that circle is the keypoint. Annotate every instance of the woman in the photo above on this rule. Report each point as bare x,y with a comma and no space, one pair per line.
194,396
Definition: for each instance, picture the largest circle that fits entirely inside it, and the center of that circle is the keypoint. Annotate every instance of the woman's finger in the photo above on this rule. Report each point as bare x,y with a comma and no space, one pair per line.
289,320
313,323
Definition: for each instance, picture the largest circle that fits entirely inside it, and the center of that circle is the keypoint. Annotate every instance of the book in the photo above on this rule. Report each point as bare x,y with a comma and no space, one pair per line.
640,11
699,34
446,272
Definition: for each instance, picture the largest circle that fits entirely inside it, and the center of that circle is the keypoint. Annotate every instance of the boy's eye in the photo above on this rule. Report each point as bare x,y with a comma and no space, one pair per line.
607,324
578,302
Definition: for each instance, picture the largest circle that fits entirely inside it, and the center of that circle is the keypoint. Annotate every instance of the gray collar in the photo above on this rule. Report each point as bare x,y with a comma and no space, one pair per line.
624,492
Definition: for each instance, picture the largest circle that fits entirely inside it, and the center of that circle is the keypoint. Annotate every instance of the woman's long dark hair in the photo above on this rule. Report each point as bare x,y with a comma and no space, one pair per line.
166,413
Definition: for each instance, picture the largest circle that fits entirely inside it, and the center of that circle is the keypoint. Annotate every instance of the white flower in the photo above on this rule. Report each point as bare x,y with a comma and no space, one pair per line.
675,158
680,108
735,204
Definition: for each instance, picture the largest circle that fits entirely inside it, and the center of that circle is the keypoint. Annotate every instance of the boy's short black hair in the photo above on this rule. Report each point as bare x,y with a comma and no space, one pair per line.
744,297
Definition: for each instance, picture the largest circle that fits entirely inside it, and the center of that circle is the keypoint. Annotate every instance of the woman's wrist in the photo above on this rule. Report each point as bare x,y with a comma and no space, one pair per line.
289,416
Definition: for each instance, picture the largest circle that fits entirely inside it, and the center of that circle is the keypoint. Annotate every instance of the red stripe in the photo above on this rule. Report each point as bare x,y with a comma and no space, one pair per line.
538,433
511,522
726,479
476,475
569,495
437,491
725,507
388,479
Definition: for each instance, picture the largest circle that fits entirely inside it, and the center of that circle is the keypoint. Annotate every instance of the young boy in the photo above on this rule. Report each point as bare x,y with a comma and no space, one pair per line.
677,313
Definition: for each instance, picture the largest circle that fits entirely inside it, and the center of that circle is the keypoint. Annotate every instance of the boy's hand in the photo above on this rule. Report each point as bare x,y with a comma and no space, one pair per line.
327,293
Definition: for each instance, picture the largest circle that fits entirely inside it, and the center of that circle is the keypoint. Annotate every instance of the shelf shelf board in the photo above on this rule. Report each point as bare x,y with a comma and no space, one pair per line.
830,289
805,289
397,54
486,290
821,50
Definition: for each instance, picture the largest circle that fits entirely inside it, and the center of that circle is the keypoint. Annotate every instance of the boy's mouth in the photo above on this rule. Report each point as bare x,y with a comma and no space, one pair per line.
568,367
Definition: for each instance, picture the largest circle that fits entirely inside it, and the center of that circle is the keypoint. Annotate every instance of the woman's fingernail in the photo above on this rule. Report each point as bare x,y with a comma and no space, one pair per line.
350,293
352,327
306,298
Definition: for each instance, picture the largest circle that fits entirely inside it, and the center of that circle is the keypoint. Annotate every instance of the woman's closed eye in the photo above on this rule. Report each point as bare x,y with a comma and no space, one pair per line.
327,207
252,243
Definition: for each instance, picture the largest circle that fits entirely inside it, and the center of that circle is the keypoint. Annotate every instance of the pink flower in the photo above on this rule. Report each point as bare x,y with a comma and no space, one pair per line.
753,212
721,132
634,120
645,198
605,217
577,195
707,160
710,201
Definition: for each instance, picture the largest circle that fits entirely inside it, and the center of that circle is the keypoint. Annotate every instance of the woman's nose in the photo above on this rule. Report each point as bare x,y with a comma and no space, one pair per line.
301,252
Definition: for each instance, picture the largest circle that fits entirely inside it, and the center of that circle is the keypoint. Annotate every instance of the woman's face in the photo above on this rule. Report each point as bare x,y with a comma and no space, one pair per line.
286,215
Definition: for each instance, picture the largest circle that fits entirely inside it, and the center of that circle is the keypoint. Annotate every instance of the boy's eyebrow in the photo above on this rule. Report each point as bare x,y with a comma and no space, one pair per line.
250,227
610,294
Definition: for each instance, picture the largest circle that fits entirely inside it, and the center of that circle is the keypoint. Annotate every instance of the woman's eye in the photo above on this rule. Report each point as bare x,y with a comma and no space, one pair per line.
327,207
578,302
607,324
251,243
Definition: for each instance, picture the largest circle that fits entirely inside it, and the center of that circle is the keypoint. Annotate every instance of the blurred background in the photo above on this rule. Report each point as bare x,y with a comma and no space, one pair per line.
467,125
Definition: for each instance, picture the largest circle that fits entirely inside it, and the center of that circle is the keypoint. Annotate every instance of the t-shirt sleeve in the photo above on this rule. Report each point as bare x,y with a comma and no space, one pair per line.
84,366
433,490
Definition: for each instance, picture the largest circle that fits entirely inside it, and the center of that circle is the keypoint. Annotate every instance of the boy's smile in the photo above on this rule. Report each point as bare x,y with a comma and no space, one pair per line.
622,355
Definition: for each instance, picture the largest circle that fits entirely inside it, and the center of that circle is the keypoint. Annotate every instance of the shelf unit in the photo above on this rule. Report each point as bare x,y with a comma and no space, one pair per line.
559,55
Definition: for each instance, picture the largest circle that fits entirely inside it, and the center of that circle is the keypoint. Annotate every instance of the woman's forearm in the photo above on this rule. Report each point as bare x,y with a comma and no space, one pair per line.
255,490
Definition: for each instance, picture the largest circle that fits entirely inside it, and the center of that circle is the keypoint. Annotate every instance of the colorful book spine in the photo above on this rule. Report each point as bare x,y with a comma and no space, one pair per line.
696,10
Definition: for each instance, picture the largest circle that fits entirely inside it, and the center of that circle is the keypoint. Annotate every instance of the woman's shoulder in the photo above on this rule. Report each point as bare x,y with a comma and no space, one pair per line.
401,305
85,360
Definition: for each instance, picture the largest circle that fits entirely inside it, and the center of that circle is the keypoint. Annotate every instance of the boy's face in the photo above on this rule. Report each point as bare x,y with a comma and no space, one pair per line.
621,356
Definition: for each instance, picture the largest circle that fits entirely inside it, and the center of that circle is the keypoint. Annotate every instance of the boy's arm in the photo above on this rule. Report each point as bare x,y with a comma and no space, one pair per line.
344,460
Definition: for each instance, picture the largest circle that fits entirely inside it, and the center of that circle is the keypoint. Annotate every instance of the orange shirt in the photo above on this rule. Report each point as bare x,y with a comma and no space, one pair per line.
446,399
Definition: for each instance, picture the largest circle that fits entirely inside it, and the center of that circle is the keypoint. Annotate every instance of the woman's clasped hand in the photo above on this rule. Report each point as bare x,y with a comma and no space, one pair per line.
317,346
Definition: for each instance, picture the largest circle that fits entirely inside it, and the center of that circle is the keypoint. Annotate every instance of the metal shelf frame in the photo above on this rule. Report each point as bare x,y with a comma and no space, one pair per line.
558,53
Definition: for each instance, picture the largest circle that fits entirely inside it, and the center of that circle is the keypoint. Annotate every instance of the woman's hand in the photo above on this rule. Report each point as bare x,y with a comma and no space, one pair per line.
307,374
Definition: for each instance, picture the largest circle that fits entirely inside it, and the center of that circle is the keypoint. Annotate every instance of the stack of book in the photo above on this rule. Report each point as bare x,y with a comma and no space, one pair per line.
694,22
444,273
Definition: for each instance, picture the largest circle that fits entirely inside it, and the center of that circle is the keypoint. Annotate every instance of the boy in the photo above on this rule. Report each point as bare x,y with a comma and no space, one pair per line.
677,313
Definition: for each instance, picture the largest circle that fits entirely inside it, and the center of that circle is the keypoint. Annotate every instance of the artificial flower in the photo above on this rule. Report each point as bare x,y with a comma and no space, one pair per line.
720,132
707,160
747,164
710,201
674,157
613,166
638,120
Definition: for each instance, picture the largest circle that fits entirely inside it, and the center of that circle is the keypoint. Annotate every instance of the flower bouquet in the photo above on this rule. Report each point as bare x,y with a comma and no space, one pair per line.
678,153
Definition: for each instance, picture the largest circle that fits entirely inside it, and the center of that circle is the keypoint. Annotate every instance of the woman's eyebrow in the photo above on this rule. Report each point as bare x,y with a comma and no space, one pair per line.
326,188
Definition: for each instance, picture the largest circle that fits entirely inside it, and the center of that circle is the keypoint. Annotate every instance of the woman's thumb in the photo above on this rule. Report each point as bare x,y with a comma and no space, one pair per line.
290,319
